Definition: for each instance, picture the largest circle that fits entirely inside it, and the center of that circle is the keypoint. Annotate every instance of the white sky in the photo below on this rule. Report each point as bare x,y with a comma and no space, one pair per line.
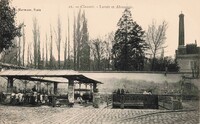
102,21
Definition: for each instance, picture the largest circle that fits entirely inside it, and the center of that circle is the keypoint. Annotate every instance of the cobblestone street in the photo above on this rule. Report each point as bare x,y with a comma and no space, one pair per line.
63,115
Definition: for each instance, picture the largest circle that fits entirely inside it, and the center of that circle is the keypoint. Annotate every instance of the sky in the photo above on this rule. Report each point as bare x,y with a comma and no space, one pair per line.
103,15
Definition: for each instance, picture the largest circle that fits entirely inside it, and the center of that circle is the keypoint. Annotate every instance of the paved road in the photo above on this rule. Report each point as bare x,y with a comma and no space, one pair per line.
80,115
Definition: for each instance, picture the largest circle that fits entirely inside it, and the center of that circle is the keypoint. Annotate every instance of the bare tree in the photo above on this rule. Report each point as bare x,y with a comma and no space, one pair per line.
67,49
108,46
35,38
155,38
65,54
29,54
38,48
68,43
78,39
19,50
24,43
53,62
51,49
75,44
58,40
46,52
43,58
98,52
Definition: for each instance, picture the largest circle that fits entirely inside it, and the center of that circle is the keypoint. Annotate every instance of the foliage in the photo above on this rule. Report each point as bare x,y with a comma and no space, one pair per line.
162,63
11,55
65,55
8,28
58,40
101,53
84,46
97,53
81,43
35,41
51,51
129,46
78,40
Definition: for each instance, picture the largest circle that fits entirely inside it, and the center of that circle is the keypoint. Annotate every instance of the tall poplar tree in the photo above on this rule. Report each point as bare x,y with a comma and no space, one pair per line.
58,42
75,43
78,39
35,42
84,46
39,51
51,50
65,55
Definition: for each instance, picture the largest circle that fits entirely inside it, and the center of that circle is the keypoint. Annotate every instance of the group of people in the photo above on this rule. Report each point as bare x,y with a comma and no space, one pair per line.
20,97
33,98
121,91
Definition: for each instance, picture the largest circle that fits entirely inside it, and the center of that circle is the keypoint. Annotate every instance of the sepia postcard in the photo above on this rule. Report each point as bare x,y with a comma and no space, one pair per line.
99,62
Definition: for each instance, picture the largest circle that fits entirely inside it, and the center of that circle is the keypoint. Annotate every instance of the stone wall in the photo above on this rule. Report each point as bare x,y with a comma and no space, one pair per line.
131,81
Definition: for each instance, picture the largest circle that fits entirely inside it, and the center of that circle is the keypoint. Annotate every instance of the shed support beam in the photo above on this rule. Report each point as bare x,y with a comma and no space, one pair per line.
94,87
10,84
71,91
79,85
55,88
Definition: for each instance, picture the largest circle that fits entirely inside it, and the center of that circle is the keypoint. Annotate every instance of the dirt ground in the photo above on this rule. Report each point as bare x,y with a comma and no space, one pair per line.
89,115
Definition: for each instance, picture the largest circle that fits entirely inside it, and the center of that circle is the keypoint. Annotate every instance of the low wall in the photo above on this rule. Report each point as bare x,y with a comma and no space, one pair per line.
131,80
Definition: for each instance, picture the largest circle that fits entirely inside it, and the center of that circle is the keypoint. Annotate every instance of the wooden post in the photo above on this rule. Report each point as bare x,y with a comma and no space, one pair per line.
94,87
79,85
71,92
96,96
55,88
79,88
90,87
47,88
10,84
25,83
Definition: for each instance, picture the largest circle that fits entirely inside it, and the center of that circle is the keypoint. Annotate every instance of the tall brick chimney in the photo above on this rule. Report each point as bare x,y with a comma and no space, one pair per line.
181,39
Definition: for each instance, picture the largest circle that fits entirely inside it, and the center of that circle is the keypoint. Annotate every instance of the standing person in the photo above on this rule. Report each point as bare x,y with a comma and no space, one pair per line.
46,98
21,98
122,98
35,96
17,98
32,100
38,98
118,91
122,91
12,101
41,98
34,88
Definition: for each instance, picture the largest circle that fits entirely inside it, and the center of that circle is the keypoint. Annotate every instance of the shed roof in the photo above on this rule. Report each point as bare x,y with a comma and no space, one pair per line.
38,73
47,75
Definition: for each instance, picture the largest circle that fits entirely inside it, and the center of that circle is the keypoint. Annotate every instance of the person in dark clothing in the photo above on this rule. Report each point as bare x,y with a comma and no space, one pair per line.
32,99
122,91
118,91
34,89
